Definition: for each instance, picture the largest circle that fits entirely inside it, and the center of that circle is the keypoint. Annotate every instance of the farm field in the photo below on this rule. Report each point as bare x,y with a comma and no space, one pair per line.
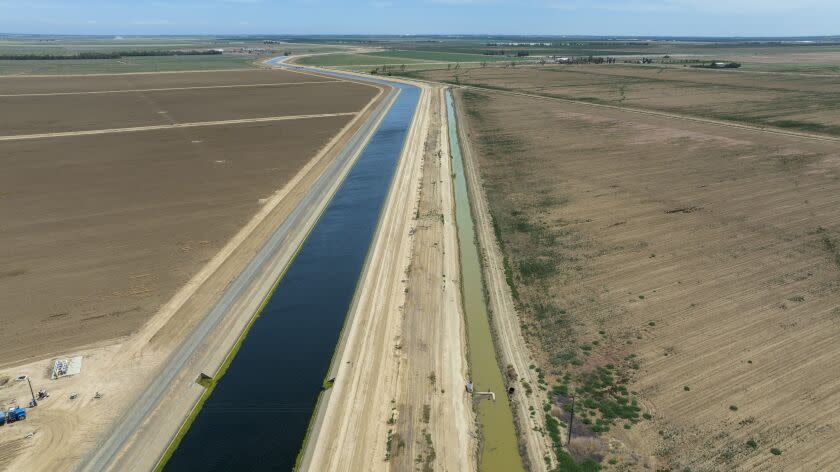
127,64
680,277
182,105
398,58
99,231
792,101
71,45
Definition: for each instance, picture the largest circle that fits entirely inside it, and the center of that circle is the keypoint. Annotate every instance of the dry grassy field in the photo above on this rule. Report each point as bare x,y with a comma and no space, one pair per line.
794,101
97,232
681,278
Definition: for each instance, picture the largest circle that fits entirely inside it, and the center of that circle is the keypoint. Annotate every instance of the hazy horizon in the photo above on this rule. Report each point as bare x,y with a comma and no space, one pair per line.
671,18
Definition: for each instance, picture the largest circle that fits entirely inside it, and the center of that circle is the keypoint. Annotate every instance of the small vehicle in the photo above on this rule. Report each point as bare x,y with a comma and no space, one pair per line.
15,414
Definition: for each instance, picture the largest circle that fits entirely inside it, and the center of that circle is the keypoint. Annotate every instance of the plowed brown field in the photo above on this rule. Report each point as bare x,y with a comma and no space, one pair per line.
97,232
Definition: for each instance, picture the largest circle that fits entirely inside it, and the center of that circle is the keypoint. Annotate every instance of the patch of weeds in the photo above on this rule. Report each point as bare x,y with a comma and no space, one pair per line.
532,268
566,462
389,444
509,278
691,209
427,413
204,380
830,245
752,444
807,126
527,387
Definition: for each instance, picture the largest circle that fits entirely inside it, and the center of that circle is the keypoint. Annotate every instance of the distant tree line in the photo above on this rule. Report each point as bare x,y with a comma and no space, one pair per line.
105,55
586,60
502,52
718,65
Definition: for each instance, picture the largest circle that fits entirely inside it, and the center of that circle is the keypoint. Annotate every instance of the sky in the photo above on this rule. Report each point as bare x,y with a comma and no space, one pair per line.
538,17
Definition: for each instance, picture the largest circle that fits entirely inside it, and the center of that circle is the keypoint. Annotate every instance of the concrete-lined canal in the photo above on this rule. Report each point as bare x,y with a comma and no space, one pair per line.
257,416
499,449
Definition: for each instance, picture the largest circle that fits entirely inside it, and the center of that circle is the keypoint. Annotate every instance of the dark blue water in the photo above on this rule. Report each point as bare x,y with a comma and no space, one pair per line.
257,416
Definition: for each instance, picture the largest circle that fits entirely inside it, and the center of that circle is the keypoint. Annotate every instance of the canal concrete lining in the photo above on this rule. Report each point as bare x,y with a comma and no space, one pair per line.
135,440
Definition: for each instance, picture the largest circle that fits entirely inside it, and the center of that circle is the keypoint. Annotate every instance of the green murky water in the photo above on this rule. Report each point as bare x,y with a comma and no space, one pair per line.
499,451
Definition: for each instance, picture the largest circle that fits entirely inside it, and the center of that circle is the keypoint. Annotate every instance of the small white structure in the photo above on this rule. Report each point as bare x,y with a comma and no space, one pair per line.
66,367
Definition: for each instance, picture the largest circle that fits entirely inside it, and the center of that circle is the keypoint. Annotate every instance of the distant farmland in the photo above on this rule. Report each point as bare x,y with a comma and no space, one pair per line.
793,101
397,58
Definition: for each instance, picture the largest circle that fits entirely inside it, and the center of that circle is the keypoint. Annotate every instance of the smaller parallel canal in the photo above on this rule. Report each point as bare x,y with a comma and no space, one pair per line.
257,416
499,446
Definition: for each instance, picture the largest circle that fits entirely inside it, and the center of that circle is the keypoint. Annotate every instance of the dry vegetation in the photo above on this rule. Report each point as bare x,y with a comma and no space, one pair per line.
791,101
680,277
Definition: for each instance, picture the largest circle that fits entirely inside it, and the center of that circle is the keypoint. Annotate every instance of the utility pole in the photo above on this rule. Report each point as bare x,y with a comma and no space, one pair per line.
571,422
34,401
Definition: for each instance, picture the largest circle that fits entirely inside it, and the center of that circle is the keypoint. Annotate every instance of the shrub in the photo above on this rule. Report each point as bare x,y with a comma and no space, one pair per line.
776,451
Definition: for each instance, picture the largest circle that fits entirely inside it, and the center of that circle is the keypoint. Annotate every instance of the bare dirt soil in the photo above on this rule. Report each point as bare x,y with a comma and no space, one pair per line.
108,82
156,209
797,102
693,265
29,114
98,232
